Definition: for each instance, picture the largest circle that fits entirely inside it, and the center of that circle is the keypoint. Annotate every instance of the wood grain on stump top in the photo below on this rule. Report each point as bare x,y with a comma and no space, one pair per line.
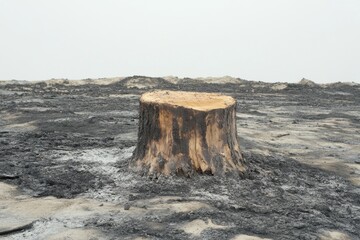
187,132
195,100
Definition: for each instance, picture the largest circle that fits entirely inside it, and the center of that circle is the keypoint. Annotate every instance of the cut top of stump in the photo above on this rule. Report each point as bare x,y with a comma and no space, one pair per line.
194,100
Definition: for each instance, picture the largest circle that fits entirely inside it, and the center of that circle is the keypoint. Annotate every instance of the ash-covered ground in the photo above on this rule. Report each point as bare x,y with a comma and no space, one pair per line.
65,148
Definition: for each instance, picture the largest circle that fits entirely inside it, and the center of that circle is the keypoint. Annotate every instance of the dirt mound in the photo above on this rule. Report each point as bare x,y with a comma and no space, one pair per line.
307,82
141,82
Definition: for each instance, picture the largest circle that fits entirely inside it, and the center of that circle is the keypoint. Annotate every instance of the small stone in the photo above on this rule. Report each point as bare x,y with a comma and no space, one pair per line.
91,119
131,197
348,209
237,207
126,206
299,225
277,172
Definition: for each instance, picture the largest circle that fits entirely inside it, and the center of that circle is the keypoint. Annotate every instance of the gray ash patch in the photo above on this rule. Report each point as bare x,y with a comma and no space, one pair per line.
283,199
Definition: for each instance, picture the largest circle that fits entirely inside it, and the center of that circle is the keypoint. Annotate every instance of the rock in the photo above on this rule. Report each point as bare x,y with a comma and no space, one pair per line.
91,119
307,82
131,197
127,206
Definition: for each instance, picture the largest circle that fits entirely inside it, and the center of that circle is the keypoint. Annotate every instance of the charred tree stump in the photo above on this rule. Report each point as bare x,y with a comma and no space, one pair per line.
187,132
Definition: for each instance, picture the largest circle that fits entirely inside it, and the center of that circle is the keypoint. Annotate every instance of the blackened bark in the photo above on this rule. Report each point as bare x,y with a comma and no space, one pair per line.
179,140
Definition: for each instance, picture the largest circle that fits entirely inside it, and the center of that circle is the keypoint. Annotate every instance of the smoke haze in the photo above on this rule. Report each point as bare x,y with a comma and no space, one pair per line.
278,40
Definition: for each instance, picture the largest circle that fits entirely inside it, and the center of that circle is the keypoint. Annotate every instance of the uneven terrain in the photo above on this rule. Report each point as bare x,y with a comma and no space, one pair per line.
65,148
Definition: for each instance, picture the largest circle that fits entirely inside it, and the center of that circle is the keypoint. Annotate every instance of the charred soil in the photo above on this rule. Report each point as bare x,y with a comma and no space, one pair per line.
300,144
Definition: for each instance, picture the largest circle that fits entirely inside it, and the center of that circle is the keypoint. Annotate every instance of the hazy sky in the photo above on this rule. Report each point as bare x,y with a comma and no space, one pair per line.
265,40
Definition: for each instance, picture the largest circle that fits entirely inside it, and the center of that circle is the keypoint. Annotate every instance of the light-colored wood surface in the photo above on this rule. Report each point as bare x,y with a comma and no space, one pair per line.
195,100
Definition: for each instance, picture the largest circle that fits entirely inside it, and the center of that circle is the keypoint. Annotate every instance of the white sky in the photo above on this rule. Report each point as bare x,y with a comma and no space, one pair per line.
264,40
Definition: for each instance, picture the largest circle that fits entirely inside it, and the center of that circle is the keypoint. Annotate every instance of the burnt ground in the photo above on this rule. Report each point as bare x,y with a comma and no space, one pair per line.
61,142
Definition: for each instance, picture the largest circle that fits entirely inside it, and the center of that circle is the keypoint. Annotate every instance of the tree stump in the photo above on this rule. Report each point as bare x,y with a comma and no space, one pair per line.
187,132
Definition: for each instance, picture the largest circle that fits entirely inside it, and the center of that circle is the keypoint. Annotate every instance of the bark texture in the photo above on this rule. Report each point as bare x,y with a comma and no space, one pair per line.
186,132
